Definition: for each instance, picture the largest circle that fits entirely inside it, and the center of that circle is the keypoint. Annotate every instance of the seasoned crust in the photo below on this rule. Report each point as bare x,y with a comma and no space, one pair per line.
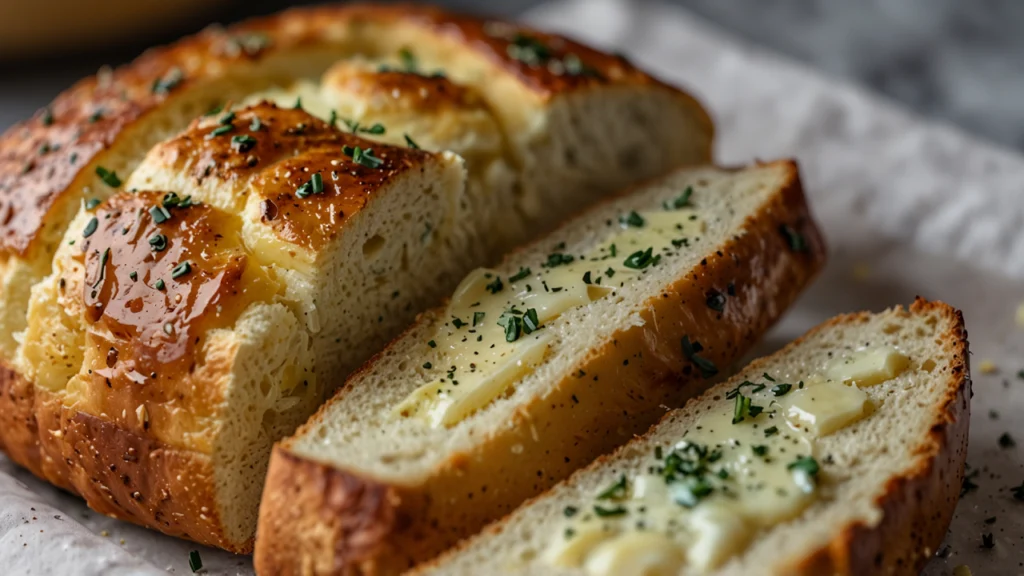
86,119
645,362
332,510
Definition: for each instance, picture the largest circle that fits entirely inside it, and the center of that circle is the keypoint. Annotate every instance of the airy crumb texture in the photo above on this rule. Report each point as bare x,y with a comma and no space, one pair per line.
888,483
612,368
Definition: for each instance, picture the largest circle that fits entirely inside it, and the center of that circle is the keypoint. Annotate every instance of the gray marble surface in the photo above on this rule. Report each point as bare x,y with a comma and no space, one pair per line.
958,60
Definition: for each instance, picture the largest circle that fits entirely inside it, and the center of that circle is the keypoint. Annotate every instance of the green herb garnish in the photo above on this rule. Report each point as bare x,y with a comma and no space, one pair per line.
690,351
794,239
159,214
615,491
90,228
680,201
523,273
168,82
412,143
641,259
180,270
362,157
632,220
109,177
495,285
243,142
158,242
195,562
558,259
219,131
603,512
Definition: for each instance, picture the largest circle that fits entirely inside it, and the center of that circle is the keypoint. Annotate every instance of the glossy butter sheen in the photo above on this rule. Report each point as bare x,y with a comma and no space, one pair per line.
482,356
746,451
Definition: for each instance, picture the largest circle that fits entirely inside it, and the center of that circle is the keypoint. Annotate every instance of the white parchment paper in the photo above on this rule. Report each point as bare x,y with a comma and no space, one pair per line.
909,207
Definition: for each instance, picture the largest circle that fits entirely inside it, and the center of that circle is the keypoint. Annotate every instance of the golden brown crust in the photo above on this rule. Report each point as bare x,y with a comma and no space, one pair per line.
135,478
42,156
917,506
649,370
279,151
333,510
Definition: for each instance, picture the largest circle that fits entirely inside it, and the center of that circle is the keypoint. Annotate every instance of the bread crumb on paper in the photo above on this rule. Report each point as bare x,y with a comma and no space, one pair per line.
1020,315
988,367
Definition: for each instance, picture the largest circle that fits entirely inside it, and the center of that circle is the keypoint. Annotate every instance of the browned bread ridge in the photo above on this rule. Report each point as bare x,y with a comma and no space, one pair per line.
889,483
326,173
359,489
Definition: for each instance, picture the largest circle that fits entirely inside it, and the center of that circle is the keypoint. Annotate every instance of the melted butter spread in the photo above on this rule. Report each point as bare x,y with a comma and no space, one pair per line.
745,464
496,329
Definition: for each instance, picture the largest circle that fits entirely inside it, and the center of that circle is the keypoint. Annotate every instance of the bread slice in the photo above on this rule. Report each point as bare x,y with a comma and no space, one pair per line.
381,478
339,273
890,450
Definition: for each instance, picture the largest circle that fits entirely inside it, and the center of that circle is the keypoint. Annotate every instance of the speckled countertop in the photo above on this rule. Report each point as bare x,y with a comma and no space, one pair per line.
961,61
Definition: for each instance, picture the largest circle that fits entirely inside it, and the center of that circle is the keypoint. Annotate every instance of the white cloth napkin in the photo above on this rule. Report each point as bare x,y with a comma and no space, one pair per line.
910,207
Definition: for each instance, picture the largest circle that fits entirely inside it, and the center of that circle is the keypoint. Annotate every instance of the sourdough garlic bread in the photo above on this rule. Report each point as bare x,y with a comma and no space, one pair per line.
535,367
841,454
196,246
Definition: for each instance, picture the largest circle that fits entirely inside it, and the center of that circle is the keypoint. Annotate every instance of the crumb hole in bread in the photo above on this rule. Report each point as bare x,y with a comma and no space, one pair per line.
891,328
373,246
928,365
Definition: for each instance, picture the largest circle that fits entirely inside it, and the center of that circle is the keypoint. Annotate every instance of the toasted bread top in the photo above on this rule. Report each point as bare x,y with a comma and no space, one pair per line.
41,157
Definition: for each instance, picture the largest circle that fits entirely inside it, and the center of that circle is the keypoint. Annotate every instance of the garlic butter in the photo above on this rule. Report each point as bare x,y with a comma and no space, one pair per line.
867,367
747,463
495,329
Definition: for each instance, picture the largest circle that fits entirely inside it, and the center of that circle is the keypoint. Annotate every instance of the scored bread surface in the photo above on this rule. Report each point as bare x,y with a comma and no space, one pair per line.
360,490
484,136
888,484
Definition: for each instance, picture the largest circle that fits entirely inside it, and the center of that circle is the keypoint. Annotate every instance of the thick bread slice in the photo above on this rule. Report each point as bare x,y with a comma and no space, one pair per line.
515,102
887,484
363,488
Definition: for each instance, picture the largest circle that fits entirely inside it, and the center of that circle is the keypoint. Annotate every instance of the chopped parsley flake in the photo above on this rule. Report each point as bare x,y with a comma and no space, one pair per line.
794,239
159,284
411,143
243,142
478,318
523,273
632,219
90,228
781,389
195,561
159,214
109,177
158,242
690,350
362,157
181,270
642,259
92,203
495,285
603,512
558,259
219,131
168,81
616,491
681,201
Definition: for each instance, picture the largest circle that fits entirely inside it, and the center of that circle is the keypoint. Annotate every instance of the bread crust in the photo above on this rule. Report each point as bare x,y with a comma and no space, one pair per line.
646,364
87,118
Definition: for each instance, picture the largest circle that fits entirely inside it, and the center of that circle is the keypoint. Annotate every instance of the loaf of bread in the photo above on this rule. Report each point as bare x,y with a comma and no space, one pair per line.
195,247
841,454
536,367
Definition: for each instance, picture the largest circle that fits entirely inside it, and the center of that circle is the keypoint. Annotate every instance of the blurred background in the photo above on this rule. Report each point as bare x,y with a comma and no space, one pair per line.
958,60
